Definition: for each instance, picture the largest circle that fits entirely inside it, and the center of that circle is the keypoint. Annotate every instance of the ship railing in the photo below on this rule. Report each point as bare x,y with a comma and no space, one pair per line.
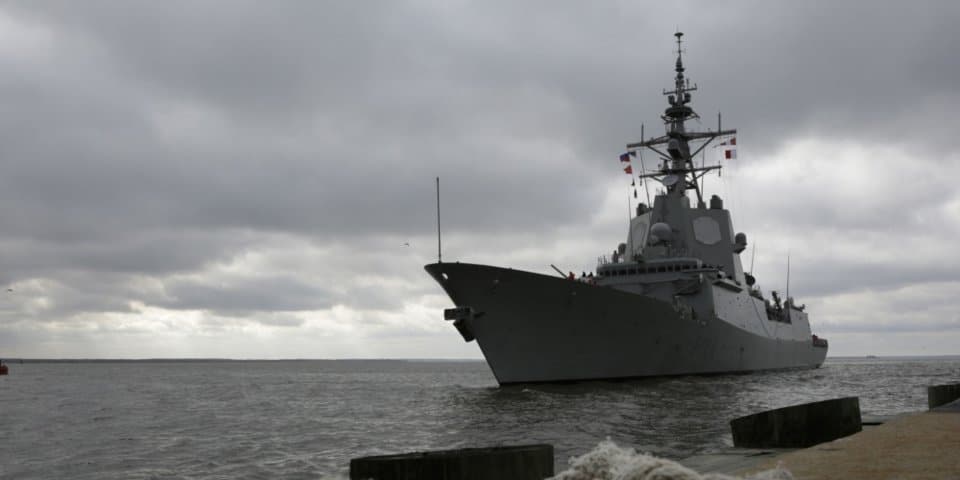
671,267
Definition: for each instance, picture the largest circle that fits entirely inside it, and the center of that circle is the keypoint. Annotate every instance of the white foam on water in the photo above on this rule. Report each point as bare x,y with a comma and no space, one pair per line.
610,462
335,476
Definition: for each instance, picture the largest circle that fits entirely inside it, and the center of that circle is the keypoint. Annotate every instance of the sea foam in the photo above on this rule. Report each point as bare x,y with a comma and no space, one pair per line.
610,462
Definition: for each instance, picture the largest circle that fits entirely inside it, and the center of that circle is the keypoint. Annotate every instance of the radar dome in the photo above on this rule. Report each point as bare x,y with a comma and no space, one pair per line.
739,242
662,231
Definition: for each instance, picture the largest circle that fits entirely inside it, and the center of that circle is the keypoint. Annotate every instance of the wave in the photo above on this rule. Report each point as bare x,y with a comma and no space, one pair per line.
610,462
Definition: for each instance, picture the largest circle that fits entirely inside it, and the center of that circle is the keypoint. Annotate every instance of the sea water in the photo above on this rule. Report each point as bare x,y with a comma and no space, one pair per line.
307,419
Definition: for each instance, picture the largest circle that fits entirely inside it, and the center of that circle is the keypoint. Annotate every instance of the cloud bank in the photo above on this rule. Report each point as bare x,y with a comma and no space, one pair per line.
239,179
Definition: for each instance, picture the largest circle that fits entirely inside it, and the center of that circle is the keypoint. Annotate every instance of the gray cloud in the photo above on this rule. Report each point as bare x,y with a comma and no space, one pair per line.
259,163
261,293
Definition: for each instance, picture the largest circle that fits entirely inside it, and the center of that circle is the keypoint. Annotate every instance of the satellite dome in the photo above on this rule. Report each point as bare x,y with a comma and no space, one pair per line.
662,231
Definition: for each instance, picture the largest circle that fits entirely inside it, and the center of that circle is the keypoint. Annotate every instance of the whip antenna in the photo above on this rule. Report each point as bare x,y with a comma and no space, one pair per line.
788,274
439,257
788,302
643,171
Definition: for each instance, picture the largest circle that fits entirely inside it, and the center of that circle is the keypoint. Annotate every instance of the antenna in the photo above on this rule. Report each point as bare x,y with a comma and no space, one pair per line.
753,254
643,179
703,178
788,302
788,274
439,257
630,222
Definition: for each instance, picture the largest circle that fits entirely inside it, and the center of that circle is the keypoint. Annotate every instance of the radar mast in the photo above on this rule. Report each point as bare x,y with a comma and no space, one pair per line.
677,172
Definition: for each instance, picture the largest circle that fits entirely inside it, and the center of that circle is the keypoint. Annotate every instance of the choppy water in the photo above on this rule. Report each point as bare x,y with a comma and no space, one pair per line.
306,419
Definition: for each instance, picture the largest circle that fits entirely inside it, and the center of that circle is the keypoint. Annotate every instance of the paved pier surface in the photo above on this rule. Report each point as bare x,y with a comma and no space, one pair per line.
740,459
917,446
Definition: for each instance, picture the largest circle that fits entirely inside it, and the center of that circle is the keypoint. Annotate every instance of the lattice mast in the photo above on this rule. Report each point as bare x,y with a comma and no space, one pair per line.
678,173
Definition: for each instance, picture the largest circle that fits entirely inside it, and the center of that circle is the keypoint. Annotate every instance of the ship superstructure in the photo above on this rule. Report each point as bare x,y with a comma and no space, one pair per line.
673,299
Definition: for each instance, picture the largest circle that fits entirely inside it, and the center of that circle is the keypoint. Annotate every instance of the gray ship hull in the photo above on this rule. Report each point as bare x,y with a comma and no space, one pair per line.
538,328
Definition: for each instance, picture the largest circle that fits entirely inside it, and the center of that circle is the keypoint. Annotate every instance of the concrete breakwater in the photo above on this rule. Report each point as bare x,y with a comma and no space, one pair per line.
524,462
938,395
919,445
798,426
817,440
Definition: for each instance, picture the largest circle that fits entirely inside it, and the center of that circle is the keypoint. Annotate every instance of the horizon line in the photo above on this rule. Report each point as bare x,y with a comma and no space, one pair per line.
348,359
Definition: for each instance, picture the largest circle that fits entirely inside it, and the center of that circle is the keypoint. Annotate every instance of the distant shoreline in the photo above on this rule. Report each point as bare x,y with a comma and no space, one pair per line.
15,360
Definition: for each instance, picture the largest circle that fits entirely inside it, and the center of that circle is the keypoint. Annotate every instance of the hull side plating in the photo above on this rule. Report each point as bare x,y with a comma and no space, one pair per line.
538,328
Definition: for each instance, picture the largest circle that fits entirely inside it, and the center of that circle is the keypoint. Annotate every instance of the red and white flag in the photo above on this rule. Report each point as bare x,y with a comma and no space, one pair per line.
628,170
730,148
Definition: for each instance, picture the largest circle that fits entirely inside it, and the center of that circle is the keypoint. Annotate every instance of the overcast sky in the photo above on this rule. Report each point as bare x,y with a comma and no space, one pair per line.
239,178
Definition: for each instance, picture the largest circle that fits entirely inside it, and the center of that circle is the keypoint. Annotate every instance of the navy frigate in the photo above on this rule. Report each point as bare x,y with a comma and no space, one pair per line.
674,299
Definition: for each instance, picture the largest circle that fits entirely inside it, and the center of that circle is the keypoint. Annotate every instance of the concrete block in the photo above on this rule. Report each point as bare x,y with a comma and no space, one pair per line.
798,426
523,462
938,395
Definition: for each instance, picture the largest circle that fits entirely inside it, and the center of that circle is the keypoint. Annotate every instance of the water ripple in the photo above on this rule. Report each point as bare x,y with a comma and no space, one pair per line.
208,420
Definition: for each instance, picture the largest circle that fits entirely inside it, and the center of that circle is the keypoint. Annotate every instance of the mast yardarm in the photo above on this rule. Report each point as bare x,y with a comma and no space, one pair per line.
678,173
